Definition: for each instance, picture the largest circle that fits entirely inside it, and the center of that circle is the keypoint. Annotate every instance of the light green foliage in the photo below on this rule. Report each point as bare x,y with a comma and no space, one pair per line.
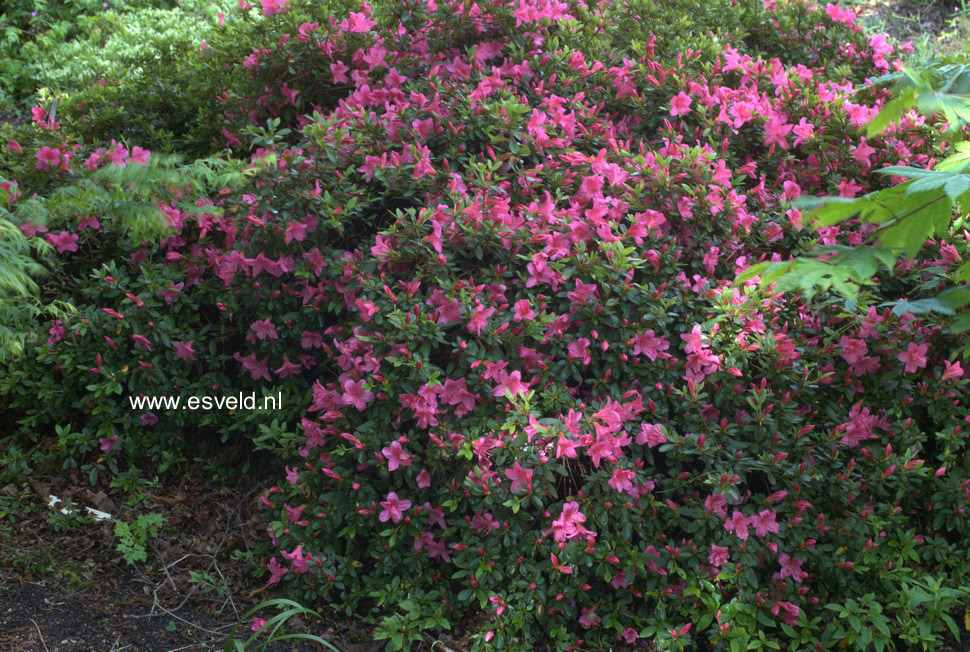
132,537
938,86
18,287
115,45
129,196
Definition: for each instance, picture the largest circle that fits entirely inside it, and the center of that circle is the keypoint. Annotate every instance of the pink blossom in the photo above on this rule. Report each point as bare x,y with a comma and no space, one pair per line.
423,479
520,477
791,567
479,319
695,340
914,356
522,311
717,556
764,522
256,368
776,132
63,241
357,394
357,22
952,371
271,7
511,382
680,104
276,571
139,155
738,524
48,157
651,435
394,508
622,480
650,345
264,329
397,457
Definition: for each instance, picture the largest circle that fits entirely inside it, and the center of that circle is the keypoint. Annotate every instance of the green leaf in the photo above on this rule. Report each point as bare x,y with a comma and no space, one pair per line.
957,162
832,210
892,111
957,185
920,306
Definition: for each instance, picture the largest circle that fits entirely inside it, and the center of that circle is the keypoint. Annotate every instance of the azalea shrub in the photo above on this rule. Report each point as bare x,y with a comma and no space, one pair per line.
486,254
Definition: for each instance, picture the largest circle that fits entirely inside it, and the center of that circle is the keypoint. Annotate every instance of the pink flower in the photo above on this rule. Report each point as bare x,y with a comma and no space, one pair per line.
88,222
695,340
650,345
397,457
339,71
914,356
579,350
791,567
423,479
356,394
357,22
479,319
853,350
717,556
651,435
787,610
680,104
139,155
566,448
511,382
622,480
108,443
276,572
294,231
716,504
63,241
952,371
271,7
142,341
256,368
394,508
803,131
520,477
738,524
264,329
48,157
588,618
569,524
776,132
367,310
117,154
764,522
522,311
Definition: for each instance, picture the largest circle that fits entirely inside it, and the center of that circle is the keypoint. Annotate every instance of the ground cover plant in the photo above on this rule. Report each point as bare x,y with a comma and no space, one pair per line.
488,255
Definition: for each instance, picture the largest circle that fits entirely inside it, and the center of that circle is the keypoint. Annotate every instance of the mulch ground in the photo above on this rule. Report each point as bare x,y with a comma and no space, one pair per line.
64,587
938,26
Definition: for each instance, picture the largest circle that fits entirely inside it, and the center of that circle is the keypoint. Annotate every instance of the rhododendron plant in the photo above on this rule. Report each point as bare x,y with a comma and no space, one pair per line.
488,252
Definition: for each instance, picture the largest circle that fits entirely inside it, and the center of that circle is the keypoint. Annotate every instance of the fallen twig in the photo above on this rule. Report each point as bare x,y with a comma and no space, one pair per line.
41,634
